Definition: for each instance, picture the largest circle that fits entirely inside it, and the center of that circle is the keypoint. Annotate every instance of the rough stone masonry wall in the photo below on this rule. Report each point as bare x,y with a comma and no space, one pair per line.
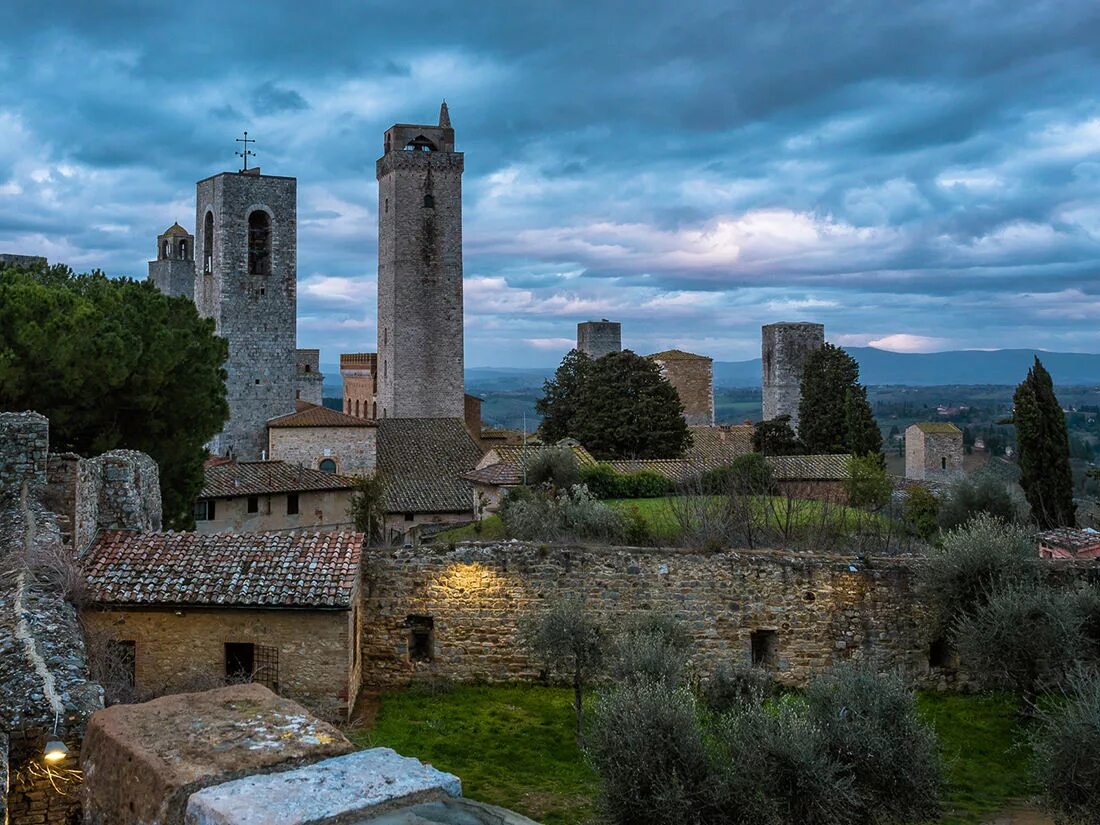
354,449
785,347
693,379
599,338
821,609
24,446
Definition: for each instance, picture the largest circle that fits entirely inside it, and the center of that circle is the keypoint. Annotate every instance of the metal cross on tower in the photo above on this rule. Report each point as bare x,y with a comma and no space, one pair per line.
246,153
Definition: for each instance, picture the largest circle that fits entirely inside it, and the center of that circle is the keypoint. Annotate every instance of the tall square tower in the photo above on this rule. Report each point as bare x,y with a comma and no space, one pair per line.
246,278
420,272
173,272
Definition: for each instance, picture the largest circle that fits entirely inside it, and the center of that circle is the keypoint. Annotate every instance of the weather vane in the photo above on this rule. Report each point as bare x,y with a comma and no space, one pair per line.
246,153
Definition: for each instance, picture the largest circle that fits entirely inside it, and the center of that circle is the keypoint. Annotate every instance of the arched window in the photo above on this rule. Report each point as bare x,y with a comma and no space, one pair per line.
183,249
374,410
429,201
349,406
259,243
419,144
327,465
208,244
356,407
943,462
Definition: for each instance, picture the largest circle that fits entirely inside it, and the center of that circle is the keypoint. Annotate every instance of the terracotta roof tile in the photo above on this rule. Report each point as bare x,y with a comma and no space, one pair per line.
232,569
311,415
809,467
257,478
719,446
424,460
678,355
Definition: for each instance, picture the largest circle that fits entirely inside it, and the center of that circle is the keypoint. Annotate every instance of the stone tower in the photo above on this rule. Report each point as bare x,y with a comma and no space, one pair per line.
598,338
693,377
933,451
173,272
247,282
786,346
420,272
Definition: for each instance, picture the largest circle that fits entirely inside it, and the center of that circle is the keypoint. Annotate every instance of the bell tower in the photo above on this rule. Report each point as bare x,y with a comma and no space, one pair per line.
420,361
173,271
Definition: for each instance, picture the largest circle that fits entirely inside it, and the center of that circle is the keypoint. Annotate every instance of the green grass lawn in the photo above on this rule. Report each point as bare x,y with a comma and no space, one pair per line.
513,746
659,514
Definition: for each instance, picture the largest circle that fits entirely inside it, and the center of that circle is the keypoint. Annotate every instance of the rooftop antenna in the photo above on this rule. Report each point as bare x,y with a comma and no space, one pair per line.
246,153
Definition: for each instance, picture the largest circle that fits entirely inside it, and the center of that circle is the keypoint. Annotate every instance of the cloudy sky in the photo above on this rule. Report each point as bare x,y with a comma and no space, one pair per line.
916,176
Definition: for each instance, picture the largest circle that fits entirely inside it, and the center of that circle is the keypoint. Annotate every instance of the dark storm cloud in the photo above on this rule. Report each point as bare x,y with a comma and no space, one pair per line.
923,174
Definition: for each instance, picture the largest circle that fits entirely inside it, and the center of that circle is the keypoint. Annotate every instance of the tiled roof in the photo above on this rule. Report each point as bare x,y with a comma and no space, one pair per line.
258,478
230,569
314,416
176,229
678,355
809,467
516,454
1070,539
719,446
937,427
501,474
424,460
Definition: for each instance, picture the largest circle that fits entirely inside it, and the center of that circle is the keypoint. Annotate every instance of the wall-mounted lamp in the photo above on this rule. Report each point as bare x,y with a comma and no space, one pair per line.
55,751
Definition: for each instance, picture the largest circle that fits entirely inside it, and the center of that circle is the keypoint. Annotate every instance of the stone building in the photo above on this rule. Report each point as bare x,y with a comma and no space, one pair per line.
323,439
194,610
693,377
503,467
11,259
785,349
311,382
253,496
247,282
933,451
598,338
420,272
173,271
46,692
359,371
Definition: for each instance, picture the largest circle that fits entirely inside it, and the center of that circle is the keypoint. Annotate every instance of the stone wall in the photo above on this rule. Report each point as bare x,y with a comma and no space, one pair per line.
811,610
785,347
310,381
420,334
24,445
693,378
354,449
184,649
933,456
599,338
358,371
174,277
317,510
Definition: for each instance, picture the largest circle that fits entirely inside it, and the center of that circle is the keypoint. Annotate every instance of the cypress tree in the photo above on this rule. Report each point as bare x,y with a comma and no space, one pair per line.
560,397
1043,443
834,414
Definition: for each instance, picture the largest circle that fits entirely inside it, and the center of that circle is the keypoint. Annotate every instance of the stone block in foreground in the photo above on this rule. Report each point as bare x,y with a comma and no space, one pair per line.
340,791
142,762
450,812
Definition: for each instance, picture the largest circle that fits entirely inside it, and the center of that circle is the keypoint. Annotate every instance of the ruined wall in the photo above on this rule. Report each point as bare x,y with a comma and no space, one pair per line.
184,649
785,347
820,609
24,446
599,338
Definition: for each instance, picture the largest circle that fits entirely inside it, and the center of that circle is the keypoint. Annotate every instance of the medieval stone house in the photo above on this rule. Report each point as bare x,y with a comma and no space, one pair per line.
933,451
187,611
323,439
251,496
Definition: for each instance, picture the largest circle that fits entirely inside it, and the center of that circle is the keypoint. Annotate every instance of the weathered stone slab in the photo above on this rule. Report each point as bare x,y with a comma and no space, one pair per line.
339,791
450,812
142,762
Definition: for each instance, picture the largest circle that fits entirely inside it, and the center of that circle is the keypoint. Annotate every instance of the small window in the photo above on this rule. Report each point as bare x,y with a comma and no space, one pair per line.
240,661
122,655
297,395
939,652
943,463
421,638
410,516
309,368
327,465
374,409
765,649
208,244
204,509
253,504
292,504
183,249
356,407
259,243
429,201
349,406
167,250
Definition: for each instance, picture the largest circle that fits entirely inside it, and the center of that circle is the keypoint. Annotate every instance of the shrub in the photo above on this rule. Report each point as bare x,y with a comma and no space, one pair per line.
636,530
1067,754
569,515
654,649
921,511
975,560
602,480
645,484
732,686
1026,637
646,745
745,475
773,768
867,484
556,466
970,497
871,728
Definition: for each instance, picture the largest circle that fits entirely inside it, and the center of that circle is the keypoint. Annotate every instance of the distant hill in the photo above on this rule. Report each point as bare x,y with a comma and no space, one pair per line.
1006,366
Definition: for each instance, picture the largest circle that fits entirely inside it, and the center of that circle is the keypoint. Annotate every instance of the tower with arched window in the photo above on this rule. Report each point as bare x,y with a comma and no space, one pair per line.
419,366
246,280
173,270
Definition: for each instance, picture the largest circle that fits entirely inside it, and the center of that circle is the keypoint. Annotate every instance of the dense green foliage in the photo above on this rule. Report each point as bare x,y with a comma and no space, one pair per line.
113,363
604,482
368,505
573,514
747,475
1044,450
969,497
776,437
834,415
556,466
1067,754
618,406
921,511
867,484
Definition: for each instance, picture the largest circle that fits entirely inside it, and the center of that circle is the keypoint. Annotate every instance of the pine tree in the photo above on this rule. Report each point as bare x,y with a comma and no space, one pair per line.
834,414
1043,443
561,394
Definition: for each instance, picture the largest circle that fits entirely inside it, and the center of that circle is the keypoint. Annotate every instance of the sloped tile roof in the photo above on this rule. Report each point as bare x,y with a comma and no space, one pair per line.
809,467
424,460
311,415
719,446
231,569
517,454
678,355
1068,538
258,478
501,474
176,229
937,427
